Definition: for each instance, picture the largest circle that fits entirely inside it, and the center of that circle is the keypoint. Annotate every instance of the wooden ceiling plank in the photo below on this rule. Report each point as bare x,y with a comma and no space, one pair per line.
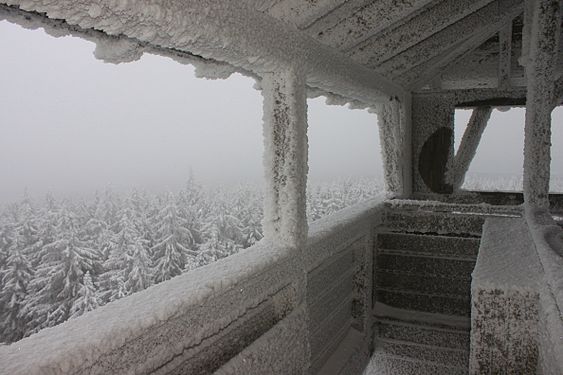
395,40
505,56
448,37
303,13
368,20
424,73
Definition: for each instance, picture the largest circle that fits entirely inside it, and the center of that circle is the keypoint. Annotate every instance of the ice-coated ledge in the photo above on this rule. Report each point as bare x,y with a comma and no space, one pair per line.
506,258
548,241
505,299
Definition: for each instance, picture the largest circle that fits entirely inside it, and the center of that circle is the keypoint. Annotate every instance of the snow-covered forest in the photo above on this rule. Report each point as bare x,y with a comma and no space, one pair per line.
61,258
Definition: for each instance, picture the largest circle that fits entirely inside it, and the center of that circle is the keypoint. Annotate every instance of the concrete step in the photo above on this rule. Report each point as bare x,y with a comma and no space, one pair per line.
383,364
423,284
448,338
413,264
438,304
430,244
429,354
444,223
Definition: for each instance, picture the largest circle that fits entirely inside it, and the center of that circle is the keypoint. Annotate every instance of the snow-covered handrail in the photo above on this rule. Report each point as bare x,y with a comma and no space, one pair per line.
227,31
189,320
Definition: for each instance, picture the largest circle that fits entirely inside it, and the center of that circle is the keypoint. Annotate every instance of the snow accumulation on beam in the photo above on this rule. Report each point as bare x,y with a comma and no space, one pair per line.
469,143
540,71
285,158
228,31
114,49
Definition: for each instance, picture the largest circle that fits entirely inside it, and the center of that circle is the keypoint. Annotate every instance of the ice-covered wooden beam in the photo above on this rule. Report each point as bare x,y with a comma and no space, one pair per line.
471,98
285,158
526,31
303,13
505,56
558,92
394,40
114,49
424,73
469,143
357,25
228,31
540,70
486,17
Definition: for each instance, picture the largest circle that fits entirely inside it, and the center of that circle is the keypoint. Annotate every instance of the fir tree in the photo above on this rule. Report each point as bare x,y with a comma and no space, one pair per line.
87,297
173,244
15,279
58,278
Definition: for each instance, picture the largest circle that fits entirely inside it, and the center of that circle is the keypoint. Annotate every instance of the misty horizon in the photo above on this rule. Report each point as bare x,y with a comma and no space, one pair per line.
73,125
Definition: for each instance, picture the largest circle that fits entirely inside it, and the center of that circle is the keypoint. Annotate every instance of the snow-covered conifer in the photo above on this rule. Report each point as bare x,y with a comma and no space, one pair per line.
174,243
87,299
15,278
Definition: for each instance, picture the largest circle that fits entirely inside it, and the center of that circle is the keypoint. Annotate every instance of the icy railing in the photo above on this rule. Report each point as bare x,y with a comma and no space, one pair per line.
548,241
242,314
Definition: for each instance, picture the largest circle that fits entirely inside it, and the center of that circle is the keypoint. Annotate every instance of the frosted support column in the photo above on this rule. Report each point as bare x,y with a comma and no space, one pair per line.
540,72
395,145
285,158
526,31
505,56
469,143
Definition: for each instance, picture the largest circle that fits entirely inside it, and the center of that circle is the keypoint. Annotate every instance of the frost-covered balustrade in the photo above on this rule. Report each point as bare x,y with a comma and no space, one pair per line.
268,309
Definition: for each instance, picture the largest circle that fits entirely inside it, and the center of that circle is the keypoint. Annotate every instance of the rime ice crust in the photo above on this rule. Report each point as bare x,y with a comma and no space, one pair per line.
469,144
393,135
504,316
517,296
285,158
548,242
540,70
228,32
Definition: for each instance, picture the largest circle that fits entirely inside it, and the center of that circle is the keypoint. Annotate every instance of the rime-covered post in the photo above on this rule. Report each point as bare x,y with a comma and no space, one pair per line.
526,31
395,147
540,70
505,56
285,157
469,143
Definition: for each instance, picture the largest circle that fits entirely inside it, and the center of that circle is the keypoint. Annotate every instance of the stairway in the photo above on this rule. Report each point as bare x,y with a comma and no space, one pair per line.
423,272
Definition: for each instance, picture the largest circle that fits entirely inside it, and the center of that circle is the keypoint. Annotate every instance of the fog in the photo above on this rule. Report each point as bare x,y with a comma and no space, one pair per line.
71,125
501,150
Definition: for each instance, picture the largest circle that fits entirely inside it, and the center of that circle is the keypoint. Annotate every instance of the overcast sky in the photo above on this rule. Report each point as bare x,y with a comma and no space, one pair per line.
70,124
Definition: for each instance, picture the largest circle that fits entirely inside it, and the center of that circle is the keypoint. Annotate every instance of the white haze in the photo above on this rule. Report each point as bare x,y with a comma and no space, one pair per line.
71,125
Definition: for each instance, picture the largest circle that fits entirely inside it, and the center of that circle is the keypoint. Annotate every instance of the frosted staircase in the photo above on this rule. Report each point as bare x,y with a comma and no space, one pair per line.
423,272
